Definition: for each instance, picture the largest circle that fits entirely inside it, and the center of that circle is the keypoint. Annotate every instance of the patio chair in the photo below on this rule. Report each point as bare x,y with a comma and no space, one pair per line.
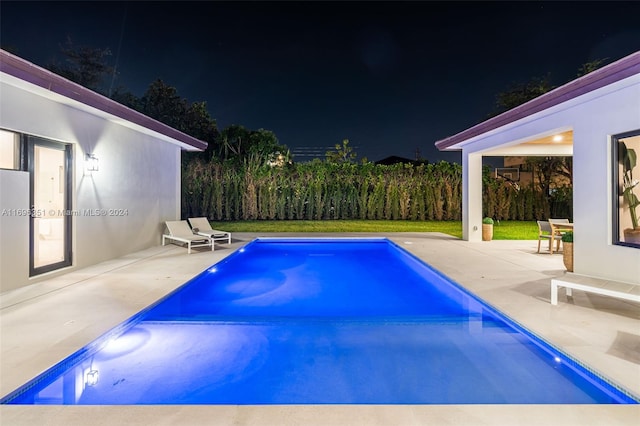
544,232
554,221
560,231
558,220
179,231
201,226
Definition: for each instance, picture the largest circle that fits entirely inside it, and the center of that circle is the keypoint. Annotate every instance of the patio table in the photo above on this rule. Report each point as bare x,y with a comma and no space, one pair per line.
557,228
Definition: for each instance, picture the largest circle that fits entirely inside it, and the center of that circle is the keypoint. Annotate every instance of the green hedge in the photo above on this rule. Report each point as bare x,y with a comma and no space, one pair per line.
320,190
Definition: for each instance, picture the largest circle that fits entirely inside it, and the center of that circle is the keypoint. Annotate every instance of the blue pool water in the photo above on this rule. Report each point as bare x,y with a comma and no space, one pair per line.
288,321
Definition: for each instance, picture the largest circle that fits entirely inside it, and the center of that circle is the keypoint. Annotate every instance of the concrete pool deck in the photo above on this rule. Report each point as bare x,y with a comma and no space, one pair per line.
44,323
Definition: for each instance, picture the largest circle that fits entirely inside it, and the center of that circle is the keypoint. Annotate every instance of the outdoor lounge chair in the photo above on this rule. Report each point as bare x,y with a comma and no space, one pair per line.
201,226
179,231
544,232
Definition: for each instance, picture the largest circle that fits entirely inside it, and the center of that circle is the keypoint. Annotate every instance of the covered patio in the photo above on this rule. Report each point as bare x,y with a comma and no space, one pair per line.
579,119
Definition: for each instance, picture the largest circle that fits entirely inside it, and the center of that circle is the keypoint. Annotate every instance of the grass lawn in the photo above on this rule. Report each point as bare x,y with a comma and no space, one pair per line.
504,230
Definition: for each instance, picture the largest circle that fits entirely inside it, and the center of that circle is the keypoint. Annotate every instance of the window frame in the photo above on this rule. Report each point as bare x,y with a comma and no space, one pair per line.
618,203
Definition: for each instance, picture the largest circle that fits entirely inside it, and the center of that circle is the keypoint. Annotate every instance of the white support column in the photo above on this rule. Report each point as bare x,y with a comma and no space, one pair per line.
471,196
178,193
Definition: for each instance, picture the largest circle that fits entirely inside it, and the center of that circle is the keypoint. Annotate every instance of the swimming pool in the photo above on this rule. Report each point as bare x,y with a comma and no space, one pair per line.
299,321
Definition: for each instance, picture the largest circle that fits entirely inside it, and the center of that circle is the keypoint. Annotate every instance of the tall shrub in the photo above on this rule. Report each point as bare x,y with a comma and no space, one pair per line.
320,190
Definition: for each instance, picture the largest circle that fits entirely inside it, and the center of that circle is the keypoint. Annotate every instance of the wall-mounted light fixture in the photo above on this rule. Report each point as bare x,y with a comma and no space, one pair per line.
91,378
91,163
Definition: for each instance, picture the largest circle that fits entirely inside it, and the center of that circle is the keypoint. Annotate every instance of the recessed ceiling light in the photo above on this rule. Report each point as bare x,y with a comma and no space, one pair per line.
557,138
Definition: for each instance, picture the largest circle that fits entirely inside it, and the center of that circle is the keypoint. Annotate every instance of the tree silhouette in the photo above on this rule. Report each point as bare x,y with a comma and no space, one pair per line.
84,65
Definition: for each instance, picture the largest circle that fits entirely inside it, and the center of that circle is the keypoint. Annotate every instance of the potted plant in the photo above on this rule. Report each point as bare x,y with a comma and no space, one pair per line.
567,250
487,229
628,160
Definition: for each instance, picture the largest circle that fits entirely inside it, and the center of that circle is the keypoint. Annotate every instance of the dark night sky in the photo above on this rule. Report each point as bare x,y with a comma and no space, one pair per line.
392,77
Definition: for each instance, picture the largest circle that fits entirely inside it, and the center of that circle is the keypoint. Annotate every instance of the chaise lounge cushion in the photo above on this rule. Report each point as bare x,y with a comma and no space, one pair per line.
201,226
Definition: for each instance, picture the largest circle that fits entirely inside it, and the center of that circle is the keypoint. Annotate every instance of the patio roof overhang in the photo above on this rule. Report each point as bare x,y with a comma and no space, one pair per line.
28,76
543,145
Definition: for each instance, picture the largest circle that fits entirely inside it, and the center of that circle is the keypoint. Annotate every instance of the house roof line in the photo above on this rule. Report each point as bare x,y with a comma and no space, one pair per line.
616,71
31,73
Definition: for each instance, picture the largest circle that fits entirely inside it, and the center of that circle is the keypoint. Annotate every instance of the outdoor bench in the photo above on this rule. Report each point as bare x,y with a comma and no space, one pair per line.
621,290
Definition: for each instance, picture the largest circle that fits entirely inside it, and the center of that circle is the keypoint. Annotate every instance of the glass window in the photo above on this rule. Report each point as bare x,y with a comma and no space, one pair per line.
9,150
626,229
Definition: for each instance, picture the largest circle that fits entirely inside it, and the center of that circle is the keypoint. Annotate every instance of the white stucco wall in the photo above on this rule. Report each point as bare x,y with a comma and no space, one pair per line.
594,253
14,228
593,118
136,189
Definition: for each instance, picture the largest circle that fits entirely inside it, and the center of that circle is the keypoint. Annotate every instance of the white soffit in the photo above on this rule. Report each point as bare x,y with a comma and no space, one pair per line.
57,98
555,143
